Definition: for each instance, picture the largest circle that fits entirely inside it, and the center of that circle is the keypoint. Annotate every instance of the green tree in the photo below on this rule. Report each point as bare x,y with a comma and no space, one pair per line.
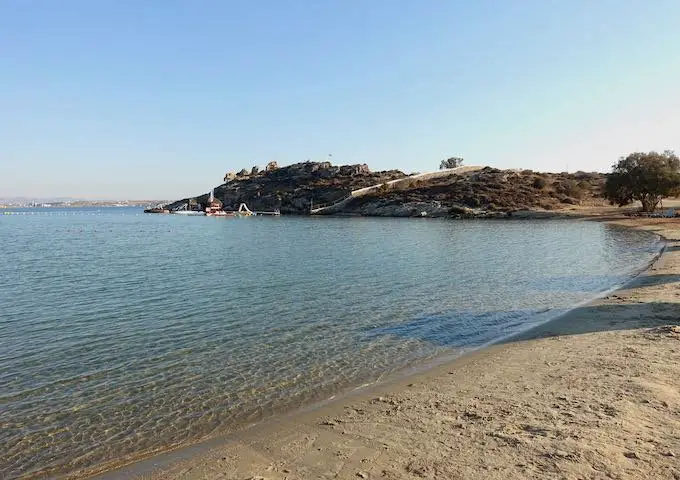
452,162
646,177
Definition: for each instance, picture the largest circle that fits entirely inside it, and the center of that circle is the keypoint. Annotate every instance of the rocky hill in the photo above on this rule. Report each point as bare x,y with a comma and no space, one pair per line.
484,192
293,189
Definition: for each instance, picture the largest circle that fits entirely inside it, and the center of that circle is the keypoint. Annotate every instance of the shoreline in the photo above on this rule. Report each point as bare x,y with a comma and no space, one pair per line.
243,453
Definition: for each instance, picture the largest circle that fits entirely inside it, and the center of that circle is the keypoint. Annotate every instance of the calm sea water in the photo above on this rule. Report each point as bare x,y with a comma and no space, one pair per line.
123,333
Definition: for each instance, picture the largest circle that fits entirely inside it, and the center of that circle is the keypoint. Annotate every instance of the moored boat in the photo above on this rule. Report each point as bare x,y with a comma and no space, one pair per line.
159,208
185,210
156,210
220,213
196,213
214,208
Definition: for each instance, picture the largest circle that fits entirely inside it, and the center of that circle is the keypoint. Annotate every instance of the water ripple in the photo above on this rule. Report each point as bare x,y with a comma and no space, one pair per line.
123,334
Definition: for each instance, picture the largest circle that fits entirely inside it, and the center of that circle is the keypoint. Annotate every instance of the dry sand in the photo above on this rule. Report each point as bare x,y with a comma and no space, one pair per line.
592,395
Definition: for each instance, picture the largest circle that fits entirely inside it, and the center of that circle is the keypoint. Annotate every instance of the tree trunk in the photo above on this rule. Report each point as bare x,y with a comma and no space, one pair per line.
649,203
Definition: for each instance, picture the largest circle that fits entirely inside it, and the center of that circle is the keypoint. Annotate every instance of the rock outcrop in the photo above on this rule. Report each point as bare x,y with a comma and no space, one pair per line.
295,188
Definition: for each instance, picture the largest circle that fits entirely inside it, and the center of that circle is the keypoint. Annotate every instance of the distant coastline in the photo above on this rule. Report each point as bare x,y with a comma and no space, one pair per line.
79,203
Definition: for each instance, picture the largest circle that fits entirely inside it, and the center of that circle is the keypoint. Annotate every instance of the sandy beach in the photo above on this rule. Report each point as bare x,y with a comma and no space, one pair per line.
594,394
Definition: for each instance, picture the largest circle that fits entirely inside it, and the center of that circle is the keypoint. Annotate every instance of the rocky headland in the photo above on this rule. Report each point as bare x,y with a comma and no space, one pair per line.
470,192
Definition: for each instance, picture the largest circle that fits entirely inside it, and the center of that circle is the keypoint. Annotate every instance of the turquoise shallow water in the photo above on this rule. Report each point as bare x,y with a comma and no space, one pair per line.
123,333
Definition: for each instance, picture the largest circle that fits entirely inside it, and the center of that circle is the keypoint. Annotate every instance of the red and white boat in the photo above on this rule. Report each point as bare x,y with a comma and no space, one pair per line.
214,208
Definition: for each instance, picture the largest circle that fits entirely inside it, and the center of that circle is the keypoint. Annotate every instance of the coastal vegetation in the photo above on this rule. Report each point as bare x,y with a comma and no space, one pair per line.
452,162
645,177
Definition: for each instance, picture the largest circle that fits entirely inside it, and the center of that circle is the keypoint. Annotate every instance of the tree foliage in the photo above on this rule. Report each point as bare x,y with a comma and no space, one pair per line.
452,162
645,177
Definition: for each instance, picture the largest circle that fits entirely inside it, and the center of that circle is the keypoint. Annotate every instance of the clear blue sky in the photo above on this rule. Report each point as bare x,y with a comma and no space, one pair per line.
157,99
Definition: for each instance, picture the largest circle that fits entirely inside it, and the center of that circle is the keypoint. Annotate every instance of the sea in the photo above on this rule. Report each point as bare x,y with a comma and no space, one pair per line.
124,334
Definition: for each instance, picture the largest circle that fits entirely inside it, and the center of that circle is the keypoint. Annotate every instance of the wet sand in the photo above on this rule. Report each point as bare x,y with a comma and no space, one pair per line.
594,394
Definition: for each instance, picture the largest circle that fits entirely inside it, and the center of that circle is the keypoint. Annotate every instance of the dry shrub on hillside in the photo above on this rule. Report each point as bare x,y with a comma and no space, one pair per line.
569,188
540,183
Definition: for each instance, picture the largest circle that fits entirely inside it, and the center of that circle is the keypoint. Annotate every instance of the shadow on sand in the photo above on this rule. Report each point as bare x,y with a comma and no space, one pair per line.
473,329
655,280
604,318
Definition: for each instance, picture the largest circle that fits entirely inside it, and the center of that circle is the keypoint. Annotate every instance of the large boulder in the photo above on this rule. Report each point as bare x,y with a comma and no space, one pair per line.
271,166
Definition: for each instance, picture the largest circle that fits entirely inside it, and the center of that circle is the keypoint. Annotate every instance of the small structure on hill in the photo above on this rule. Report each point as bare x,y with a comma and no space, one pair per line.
229,176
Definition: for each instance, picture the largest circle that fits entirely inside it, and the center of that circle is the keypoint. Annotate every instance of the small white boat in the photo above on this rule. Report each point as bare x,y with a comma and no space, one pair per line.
184,210
189,213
